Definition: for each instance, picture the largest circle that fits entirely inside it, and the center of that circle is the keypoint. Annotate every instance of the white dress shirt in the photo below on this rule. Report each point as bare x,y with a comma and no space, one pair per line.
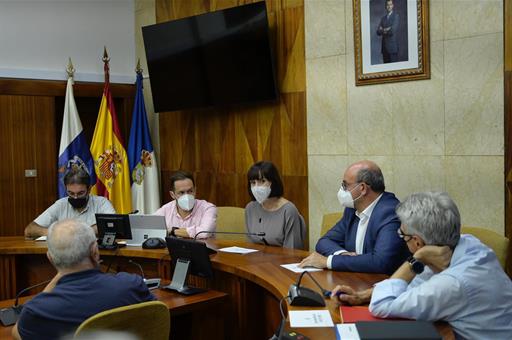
364,218
473,294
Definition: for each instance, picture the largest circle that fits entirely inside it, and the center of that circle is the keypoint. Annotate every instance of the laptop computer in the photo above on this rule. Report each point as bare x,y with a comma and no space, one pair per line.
146,226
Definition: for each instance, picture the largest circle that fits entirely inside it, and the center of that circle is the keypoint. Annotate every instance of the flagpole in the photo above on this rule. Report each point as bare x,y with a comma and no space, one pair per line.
106,60
138,69
70,69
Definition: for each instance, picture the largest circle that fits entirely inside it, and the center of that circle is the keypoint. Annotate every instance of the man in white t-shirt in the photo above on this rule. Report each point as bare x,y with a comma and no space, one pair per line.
79,204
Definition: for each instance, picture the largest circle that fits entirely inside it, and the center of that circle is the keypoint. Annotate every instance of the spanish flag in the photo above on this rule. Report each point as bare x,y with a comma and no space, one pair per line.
109,154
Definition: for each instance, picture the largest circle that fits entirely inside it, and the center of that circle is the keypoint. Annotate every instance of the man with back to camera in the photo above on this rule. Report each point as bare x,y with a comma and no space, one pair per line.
450,277
185,214
79,204
388,29
365,239
79,290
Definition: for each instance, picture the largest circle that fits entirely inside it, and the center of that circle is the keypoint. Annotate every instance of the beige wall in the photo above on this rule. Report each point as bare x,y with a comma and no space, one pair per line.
445,133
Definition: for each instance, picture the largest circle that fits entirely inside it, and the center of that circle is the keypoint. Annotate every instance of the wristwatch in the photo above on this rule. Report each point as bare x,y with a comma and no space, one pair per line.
416,266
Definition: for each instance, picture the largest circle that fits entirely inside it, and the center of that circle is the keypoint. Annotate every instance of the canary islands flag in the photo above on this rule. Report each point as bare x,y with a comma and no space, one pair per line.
143,166
73,152
109,155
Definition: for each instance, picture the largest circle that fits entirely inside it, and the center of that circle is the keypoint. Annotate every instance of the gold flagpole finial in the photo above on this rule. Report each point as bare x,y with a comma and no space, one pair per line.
138,69
70,69
106,59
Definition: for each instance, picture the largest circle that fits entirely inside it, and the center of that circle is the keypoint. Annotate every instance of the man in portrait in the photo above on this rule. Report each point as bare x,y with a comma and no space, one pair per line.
388,29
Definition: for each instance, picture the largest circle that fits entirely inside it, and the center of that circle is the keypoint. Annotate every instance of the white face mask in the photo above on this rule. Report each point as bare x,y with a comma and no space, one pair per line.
260,192
345,197
186,202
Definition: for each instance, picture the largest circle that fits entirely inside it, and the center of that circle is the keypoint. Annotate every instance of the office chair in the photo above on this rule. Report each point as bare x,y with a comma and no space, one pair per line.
328,221
147,320
230,219
493,240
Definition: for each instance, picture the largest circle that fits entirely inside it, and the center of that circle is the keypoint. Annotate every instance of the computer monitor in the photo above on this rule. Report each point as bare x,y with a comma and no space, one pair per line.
188,257
110,227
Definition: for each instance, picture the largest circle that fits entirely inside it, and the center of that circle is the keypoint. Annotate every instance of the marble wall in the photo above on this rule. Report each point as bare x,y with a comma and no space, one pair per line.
445,133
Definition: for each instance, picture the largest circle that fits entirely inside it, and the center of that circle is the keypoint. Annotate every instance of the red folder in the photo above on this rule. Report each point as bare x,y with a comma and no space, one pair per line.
352,314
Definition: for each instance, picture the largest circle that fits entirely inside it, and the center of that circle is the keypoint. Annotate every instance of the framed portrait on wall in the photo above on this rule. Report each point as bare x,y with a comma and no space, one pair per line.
391,41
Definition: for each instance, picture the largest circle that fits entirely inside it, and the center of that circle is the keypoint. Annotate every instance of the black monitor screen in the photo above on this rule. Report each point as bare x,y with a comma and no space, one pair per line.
194,251
217,58
110,223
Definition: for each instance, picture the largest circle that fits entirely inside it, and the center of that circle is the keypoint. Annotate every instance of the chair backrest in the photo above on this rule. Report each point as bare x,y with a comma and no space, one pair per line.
329,220
147,320
230,219
493,240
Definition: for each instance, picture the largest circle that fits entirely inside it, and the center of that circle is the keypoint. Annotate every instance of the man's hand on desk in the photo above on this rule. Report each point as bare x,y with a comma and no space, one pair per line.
314,260
347,295
181,232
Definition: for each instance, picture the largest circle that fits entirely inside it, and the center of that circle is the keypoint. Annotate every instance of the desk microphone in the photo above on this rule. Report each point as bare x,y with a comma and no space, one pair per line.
259,234
151,283
302,296
9,315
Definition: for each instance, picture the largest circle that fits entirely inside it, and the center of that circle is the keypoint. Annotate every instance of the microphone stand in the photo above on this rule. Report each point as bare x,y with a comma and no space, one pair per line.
151,283
9,315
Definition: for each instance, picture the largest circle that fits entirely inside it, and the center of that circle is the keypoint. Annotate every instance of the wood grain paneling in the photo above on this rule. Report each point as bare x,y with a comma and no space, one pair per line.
27,142
219,145
30,127
507,41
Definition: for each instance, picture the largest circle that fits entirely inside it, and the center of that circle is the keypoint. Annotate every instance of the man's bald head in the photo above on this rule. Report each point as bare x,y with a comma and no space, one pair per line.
70,243
368,172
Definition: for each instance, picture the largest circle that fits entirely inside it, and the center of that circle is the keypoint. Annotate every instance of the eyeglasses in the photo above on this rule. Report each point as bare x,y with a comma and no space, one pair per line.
403,236
346,185
80,194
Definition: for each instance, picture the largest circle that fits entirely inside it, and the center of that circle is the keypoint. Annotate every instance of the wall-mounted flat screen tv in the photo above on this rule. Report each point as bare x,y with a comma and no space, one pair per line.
213,59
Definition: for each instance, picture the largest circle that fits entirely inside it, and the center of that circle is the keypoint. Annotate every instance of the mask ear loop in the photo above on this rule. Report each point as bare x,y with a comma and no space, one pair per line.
355,199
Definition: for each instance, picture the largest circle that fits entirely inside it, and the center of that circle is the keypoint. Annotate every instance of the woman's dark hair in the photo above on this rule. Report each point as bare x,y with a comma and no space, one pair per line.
179,176
268,171
77,176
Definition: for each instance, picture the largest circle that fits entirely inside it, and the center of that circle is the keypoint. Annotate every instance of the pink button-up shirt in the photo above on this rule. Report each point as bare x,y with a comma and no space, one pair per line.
202,218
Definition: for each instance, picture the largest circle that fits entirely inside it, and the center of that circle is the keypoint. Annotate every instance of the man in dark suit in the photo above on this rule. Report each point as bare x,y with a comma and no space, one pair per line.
366,238
388,29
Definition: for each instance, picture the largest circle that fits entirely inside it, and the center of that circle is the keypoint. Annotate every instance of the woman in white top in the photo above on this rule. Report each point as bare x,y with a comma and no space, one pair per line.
270,212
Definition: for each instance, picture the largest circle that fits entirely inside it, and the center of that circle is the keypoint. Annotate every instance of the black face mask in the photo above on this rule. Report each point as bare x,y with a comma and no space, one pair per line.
78,203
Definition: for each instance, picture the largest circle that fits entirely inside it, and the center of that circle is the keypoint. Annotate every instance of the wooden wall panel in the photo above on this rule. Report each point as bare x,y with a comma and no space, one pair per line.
30,127
220,144
28,142
507,41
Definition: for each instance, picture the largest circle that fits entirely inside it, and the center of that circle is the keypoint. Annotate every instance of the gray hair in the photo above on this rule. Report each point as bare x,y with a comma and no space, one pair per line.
372,177
433,216
69,243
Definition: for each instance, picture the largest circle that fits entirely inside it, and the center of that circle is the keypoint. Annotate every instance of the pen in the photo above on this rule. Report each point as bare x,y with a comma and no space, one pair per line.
328,293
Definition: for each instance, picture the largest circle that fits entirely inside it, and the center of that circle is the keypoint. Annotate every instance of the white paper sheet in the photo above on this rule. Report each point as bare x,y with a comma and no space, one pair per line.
347,331
238,250
310,318
41,238
294,267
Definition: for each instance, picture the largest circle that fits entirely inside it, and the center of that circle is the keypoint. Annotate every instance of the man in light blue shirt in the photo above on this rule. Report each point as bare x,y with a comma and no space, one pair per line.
449,277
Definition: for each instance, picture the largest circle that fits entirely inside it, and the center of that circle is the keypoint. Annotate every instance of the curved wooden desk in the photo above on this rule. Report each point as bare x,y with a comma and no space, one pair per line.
255,282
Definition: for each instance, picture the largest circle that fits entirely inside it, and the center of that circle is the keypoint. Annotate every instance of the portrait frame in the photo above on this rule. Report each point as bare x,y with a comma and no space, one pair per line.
411,62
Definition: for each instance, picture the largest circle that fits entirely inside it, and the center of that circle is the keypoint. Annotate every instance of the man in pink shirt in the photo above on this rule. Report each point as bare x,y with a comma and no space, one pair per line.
184,212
